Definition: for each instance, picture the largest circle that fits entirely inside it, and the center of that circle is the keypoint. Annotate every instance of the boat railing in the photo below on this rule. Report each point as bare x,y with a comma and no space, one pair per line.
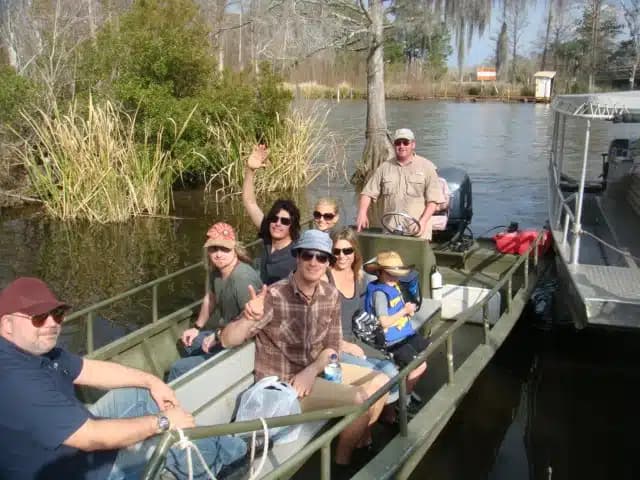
350,413
562,214
88,313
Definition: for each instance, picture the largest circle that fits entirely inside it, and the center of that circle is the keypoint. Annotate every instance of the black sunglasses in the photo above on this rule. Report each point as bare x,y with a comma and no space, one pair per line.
402,141
308,255
327,216
57,315
344,251
286,221
218,248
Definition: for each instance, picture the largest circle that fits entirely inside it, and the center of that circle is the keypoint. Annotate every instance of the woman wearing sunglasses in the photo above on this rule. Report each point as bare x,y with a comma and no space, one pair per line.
326,215
351,281
278,229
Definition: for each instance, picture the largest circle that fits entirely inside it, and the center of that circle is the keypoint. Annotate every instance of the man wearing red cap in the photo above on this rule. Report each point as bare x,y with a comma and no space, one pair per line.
47,433
229,281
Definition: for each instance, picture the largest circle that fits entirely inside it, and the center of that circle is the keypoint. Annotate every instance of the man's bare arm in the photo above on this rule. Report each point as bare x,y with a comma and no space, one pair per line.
362,220
237,332
108,375
114,433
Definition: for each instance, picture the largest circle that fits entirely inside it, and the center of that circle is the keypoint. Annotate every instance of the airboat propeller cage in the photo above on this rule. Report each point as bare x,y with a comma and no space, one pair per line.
460,201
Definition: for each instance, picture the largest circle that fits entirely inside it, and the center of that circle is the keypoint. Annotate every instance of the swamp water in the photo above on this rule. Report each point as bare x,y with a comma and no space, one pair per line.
555,404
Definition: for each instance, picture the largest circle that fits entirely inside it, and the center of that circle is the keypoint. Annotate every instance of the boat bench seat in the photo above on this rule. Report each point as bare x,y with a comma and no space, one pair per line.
212,392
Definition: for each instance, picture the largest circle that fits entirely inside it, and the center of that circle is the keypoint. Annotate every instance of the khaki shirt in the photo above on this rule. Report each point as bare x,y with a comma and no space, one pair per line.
406,188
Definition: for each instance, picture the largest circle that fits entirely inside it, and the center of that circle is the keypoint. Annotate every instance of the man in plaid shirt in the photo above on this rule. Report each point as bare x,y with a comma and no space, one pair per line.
296,325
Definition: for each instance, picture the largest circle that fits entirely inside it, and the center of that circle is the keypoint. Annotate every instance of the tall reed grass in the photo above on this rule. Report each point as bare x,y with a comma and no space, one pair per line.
301,150
87,164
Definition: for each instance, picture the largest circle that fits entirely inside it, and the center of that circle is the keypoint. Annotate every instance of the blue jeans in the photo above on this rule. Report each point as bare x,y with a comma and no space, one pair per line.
195,357
131,461
379,365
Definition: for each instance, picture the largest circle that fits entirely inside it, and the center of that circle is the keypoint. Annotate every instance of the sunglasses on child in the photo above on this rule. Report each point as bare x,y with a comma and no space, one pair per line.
402,141
327,216
344,251
218,248
308,255
286,221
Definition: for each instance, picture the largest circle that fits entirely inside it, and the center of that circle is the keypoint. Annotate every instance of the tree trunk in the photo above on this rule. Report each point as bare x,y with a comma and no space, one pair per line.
543,62
377,147
632,78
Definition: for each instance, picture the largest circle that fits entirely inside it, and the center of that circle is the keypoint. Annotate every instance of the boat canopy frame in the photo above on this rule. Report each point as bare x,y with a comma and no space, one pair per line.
615,107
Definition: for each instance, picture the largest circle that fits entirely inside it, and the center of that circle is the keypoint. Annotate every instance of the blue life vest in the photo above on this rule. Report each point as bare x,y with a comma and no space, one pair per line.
395,303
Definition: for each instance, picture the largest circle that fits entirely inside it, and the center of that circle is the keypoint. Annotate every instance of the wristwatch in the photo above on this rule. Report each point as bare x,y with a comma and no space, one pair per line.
197,327
164,423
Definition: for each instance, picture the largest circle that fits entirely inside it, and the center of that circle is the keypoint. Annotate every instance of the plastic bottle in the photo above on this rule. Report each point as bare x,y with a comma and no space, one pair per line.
436,284
333,370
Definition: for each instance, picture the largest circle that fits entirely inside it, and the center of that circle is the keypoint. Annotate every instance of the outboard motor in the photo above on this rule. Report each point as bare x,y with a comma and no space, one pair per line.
460,201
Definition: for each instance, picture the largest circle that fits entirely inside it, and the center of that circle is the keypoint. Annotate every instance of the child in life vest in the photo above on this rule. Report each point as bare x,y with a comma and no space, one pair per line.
384,300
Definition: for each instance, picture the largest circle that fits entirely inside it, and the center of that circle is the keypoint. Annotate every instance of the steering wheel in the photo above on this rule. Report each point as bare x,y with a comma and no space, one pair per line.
398,223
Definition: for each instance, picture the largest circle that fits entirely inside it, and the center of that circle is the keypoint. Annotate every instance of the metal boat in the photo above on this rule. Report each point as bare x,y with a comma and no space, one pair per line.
595,222
484,294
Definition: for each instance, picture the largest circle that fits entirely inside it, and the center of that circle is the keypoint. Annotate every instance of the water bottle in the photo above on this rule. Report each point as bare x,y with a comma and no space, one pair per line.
436,284
333,371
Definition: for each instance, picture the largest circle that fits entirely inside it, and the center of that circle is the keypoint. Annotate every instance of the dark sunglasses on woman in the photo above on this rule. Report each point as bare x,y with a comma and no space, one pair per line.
308,255
327,216
286,221
402,141
344,251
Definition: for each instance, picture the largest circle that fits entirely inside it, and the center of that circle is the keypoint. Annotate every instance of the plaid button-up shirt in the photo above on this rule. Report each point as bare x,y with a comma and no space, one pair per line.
295,329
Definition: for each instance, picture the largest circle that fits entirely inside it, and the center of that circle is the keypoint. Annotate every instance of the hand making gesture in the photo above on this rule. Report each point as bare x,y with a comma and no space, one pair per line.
254,308
258,157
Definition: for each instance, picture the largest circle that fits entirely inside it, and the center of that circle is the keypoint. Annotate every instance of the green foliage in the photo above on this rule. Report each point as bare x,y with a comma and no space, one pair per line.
16,92
473,91
155,61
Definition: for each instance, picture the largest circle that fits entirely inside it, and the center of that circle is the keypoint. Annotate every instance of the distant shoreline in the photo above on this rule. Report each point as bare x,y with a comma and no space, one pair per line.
315,91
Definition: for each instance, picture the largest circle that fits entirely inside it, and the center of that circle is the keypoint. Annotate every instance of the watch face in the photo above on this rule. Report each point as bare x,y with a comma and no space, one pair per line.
163,423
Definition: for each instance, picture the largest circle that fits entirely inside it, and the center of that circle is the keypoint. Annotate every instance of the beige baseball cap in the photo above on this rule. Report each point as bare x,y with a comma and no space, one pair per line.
403,133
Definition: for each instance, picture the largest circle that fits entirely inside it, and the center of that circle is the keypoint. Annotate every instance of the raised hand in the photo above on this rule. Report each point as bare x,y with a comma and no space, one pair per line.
254,308
258,157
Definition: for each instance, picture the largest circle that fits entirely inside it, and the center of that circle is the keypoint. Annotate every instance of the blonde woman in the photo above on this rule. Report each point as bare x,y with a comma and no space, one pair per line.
326,214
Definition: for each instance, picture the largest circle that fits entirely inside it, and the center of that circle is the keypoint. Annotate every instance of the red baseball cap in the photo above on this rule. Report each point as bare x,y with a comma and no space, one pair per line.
30,296
221,234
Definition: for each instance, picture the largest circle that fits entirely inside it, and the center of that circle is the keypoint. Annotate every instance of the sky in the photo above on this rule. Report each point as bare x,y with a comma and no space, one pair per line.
483,48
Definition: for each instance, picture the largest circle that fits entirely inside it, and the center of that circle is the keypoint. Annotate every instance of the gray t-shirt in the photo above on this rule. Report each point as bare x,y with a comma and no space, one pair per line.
275,266
232,293
351,305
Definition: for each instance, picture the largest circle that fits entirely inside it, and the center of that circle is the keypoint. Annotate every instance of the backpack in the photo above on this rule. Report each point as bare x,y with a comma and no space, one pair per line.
367,329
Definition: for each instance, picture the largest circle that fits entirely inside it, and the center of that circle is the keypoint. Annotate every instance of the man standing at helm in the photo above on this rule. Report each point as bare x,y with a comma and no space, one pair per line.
407,184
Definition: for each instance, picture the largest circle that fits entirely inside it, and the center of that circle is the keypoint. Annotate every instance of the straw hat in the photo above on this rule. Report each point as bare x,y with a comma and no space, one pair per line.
391,262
